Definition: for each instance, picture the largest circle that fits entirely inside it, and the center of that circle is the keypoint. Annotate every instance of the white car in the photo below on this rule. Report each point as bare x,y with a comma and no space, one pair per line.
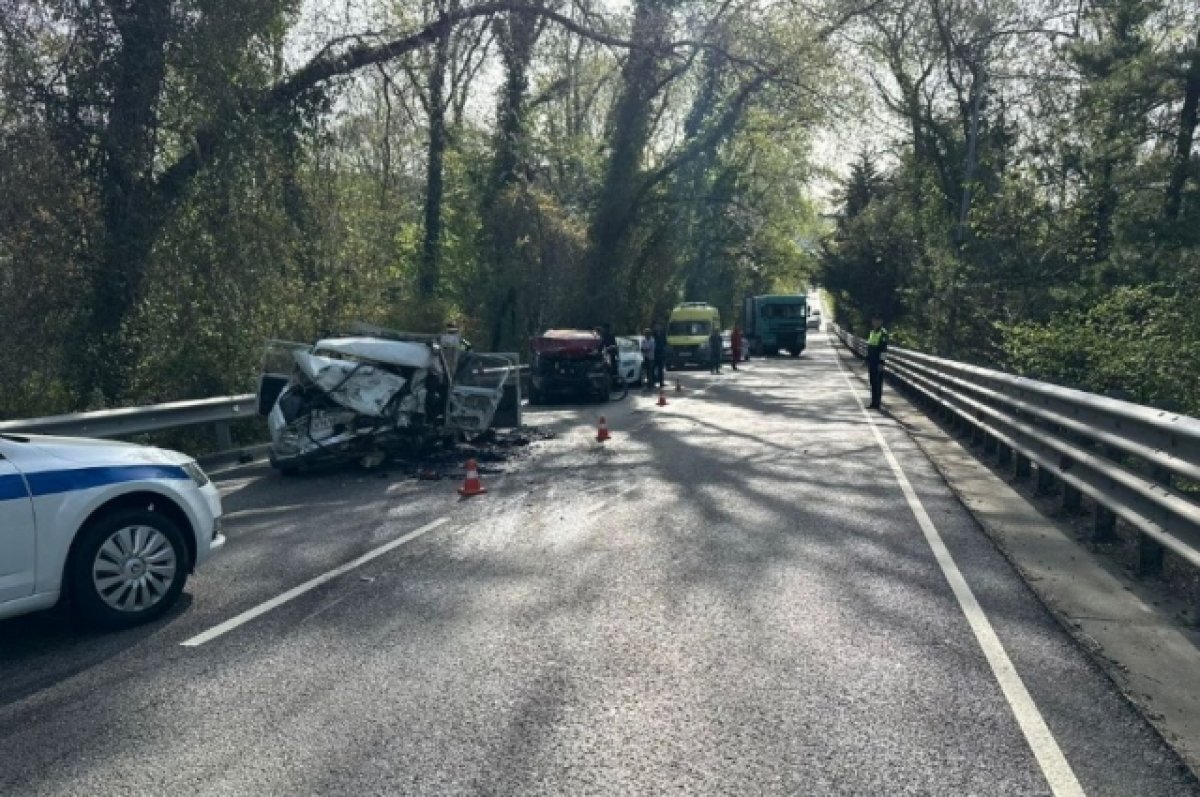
630,360
814,318
116,526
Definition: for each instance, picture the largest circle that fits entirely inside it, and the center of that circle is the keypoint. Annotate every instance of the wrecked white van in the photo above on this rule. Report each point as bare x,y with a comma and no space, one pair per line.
369,397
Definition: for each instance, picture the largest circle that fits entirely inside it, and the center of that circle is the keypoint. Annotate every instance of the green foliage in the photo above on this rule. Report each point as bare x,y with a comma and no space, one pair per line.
1076,259
1128,342
166,206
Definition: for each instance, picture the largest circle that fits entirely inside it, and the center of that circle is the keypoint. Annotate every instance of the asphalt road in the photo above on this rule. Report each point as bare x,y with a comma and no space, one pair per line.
734,596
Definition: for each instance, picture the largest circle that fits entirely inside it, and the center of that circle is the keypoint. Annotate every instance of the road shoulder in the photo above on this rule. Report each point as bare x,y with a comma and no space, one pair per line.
1128,627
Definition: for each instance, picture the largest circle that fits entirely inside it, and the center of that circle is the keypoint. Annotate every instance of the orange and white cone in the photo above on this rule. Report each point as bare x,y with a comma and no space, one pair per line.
662,397
472,485
602,434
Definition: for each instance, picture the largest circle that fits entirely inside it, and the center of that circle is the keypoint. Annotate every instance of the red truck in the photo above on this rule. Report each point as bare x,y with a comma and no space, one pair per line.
568,362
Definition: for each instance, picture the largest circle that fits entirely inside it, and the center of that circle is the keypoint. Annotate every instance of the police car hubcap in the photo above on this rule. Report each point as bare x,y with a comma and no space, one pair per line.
134,568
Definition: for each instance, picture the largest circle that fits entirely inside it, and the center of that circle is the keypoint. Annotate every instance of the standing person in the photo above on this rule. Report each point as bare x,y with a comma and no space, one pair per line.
660,356
647,358
877,343
609,341
735,343
714,350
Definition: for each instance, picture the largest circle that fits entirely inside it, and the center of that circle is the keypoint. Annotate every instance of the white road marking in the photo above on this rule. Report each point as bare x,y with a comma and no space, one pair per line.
1041,741
311,584
247,514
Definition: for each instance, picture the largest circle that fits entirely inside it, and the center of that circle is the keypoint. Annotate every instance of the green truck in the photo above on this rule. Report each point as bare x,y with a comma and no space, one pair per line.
776,323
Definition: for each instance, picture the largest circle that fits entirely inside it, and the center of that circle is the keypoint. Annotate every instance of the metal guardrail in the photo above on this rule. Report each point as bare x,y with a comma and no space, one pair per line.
1127,458
219,412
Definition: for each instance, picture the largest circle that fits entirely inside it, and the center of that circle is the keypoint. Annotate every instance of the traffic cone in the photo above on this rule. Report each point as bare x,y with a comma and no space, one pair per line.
602,430
678,386
662,397
472,485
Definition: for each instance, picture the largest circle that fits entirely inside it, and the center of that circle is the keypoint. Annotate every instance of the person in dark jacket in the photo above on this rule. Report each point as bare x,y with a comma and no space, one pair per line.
714,350
660,356
877,343
611,351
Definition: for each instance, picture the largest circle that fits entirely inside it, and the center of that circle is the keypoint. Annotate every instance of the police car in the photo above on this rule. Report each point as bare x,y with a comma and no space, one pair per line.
117,527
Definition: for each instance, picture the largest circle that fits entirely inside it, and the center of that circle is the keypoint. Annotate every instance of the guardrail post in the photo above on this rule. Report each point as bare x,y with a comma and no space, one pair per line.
1150,553
1072,500
1105,527
1150,557
1022,467
955,423
1045,482
224,438
1004,455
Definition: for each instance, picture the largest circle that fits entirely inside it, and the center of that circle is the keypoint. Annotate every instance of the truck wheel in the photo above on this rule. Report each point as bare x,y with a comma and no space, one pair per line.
128,567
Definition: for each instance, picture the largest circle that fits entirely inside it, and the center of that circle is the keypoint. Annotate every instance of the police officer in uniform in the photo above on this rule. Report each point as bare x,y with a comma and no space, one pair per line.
877,343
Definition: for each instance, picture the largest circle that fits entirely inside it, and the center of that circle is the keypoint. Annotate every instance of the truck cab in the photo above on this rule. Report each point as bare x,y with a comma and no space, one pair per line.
775,323
687,334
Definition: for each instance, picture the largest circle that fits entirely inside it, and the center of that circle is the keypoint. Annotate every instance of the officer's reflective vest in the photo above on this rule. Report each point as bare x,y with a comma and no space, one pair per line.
877,337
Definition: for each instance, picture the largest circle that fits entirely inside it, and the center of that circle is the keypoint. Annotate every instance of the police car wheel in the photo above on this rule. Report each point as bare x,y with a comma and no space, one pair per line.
129,567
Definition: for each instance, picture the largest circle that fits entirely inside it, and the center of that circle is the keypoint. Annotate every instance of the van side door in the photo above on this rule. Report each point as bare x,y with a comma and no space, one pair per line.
479,389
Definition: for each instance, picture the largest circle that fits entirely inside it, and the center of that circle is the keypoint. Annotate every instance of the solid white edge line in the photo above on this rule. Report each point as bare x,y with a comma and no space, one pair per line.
1050,758
311,584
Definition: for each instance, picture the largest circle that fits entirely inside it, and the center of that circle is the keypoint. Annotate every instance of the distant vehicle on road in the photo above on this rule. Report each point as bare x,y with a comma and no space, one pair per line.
117,527
568,362
629,351
776,323
814,318
687,334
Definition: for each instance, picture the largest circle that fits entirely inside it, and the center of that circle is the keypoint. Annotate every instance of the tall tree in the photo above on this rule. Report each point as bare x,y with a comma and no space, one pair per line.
608,257
1189,111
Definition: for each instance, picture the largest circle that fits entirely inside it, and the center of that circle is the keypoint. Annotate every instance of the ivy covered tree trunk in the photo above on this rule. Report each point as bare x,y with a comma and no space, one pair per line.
609,256
1182,157
503,197
429,268
131,215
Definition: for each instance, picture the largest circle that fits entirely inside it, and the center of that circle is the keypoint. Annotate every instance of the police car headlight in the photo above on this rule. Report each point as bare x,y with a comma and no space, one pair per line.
196,473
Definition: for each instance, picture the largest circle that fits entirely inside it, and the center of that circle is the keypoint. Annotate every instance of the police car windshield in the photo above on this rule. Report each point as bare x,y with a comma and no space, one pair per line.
681,328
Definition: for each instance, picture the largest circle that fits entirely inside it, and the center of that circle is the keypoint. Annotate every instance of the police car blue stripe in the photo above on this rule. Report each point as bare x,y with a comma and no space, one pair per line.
12,487
51,482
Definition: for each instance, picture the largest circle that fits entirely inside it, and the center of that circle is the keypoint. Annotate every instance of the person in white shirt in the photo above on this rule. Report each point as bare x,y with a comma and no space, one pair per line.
647,359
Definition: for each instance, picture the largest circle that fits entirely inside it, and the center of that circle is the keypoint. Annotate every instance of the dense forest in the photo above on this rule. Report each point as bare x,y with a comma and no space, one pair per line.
1038,209
182,179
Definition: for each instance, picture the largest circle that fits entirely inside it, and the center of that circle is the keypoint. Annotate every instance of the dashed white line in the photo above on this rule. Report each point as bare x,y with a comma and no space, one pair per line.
1050,758
309,585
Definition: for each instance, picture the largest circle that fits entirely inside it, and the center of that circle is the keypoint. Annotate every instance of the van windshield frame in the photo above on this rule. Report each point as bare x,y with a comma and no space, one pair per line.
689,329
